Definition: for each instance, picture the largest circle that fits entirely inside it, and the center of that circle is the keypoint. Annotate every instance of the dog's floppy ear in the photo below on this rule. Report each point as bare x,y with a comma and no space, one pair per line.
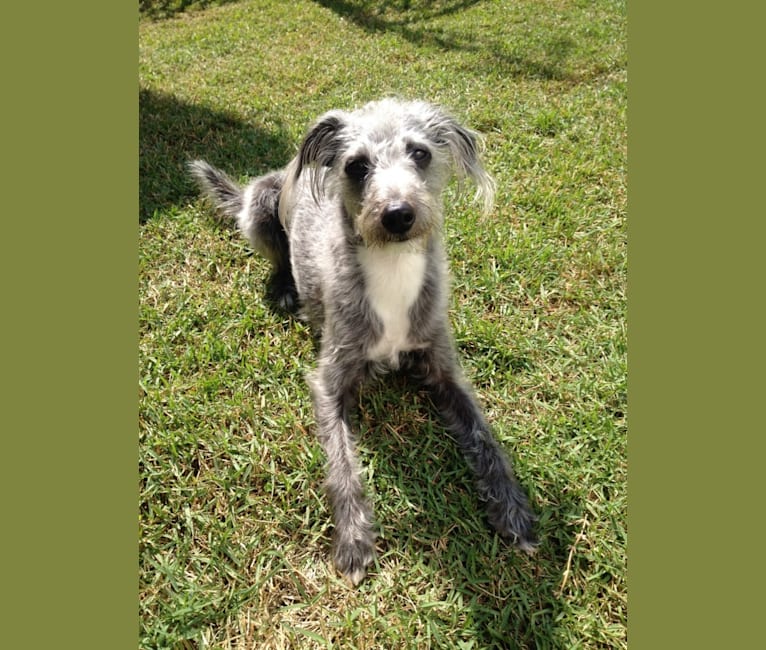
321,145
464,146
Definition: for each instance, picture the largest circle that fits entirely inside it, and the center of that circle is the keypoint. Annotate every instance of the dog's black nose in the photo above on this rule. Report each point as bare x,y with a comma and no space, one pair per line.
398,217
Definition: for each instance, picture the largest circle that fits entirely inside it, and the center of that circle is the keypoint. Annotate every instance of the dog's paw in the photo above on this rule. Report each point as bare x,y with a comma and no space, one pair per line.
282,293
527,544
524,538
288,301
351,559
515,523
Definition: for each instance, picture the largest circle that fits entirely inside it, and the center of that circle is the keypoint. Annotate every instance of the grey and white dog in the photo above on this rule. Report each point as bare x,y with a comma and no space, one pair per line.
353,229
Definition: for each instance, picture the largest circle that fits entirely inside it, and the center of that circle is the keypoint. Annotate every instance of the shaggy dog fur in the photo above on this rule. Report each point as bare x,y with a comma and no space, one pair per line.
352,227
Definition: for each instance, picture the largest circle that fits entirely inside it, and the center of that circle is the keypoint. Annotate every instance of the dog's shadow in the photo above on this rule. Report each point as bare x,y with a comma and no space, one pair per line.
172,132
427,508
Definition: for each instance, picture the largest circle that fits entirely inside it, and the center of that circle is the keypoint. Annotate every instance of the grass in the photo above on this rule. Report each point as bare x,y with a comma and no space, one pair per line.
234,529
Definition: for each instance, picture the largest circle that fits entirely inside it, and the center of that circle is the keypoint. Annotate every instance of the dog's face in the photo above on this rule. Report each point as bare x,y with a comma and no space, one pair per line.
388,163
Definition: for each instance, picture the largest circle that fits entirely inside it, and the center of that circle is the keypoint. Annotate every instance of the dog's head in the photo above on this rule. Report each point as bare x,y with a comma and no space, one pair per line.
388,164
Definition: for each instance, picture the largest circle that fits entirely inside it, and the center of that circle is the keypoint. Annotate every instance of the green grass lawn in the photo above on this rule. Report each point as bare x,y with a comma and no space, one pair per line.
234,528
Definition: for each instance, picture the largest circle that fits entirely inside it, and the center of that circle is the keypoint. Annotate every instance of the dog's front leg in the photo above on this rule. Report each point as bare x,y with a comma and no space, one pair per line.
333,389
507,506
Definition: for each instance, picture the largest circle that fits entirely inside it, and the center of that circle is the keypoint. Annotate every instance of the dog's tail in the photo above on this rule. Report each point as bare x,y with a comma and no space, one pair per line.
222,190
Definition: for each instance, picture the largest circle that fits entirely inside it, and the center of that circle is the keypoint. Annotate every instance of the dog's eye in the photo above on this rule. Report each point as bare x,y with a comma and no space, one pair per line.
421,156
357,169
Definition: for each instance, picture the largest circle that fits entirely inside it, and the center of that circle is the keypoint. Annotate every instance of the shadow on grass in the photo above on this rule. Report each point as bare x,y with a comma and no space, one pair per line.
427,507
508,56
158,9
172,132
377,16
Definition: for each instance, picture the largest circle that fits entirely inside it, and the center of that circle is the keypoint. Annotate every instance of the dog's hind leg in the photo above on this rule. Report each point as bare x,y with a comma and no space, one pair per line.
255,210
259,222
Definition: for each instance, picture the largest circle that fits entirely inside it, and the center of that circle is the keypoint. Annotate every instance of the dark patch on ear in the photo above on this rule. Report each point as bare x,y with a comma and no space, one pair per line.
469,140
462,142
322,143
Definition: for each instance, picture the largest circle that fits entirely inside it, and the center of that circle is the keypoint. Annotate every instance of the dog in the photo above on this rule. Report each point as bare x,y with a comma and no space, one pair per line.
353,229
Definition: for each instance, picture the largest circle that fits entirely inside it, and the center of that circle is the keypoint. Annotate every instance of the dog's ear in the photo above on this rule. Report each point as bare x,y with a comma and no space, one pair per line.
322,142
320,147
464,146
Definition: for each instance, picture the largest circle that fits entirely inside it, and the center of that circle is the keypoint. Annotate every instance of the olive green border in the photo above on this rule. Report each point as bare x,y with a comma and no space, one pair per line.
695,286
695,352
70,133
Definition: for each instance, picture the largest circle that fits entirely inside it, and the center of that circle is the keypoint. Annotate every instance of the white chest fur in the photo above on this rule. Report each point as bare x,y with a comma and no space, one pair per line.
394,275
